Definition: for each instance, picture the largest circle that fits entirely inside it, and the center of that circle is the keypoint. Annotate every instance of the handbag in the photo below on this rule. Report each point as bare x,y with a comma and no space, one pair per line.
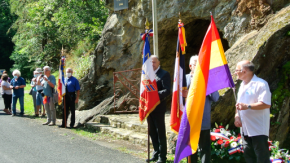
30,92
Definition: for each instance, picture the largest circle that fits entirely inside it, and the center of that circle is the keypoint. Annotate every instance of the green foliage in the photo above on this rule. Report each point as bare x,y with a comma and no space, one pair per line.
82,65
6,34
282,90
45,26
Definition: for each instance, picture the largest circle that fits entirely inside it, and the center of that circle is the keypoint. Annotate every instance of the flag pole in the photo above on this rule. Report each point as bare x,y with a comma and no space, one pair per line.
242,132
64,106
155,29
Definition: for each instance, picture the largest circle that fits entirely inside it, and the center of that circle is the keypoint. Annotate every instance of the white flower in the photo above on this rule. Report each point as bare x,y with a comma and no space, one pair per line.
234,144
215,143
278,155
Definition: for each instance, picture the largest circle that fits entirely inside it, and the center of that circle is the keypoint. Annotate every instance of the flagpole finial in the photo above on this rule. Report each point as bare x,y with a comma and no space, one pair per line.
179,21
147,24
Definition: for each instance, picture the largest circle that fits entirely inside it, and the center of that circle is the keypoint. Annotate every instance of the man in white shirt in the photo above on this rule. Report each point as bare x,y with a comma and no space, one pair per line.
254,101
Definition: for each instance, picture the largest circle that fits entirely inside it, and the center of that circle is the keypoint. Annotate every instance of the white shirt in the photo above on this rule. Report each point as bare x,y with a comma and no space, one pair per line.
7,85
255,122
157,69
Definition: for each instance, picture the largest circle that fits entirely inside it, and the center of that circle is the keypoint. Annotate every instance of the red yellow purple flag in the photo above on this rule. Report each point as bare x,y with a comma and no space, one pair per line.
211,68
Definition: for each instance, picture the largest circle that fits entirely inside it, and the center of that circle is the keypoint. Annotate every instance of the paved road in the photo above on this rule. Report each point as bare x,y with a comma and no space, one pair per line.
23,140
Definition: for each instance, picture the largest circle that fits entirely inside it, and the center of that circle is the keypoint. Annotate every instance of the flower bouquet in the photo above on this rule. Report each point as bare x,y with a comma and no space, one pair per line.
226,145
278,155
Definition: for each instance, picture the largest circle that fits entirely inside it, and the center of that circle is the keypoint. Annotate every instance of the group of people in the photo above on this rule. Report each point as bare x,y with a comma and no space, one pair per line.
252,114
43,86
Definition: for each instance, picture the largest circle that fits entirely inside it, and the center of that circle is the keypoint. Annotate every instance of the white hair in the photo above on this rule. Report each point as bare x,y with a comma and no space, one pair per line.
70,69
192,59
155,56
46,67
16,72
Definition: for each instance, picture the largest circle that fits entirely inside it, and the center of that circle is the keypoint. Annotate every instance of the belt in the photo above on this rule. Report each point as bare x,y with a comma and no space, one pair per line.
39,91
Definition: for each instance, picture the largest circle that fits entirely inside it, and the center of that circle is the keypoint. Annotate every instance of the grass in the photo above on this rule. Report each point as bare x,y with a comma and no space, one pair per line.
28,101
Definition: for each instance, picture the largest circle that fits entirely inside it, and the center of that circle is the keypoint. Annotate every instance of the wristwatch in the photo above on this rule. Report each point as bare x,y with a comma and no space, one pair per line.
249,107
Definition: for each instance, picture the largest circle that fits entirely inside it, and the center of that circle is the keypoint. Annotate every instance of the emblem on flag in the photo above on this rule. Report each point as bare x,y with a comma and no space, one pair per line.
149,97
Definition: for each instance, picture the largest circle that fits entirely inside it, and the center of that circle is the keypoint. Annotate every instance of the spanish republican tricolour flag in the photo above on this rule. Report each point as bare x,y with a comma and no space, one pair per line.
61,85
149,97
179,83
211,74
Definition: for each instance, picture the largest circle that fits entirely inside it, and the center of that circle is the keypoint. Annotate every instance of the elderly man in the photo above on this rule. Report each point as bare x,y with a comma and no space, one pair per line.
17,84
157,117
204,139
254,101
71,97
48,82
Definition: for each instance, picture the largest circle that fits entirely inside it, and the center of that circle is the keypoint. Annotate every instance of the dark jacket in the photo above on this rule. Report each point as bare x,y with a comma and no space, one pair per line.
164,89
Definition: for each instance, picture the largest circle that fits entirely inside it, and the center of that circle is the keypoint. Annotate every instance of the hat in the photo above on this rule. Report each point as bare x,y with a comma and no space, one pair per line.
38,70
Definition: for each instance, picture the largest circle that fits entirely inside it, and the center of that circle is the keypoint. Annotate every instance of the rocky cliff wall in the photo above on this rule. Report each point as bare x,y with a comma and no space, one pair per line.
250,29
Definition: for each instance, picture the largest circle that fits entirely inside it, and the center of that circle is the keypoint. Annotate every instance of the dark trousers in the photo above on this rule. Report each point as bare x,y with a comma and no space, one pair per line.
256,149
69,106
157,133
7,101
204,146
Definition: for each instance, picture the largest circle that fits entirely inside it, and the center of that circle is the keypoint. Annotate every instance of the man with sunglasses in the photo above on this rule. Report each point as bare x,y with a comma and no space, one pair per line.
253,104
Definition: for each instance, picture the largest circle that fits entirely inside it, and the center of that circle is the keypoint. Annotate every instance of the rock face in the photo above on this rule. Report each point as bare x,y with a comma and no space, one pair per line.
250,29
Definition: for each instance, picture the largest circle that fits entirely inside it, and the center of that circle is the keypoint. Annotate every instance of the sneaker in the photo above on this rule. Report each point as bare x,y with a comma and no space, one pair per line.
43,115
21,114
51,124
46,123
13,115
36,115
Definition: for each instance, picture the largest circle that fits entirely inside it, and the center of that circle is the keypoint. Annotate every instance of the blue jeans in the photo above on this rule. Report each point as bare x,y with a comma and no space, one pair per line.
21,101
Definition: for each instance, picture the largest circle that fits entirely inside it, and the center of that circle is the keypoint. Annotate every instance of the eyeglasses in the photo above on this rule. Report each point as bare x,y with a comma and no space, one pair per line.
239,70
46,70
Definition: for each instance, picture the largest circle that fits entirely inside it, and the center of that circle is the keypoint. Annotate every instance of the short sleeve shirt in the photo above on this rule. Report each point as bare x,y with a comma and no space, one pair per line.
255,122
72,84
33,83
6,84
47,89
20,91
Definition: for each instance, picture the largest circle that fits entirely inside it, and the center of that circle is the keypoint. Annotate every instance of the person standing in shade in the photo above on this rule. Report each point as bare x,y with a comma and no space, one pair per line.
48,83
9,80
33,91
156,118
254,102
6,92
17,84
204,143
71,97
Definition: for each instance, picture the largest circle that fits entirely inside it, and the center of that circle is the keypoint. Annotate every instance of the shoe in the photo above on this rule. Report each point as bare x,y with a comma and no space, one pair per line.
61,126
46,123
36,115
43,115
21,114
13,115
51,124
152,159
161,161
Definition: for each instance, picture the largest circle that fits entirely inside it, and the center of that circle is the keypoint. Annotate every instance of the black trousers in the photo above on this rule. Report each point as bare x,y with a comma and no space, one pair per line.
7,101
157,133
256,149
70,106
204,146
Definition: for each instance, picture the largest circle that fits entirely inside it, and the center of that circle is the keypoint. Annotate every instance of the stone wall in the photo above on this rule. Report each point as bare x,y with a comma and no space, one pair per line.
250,29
